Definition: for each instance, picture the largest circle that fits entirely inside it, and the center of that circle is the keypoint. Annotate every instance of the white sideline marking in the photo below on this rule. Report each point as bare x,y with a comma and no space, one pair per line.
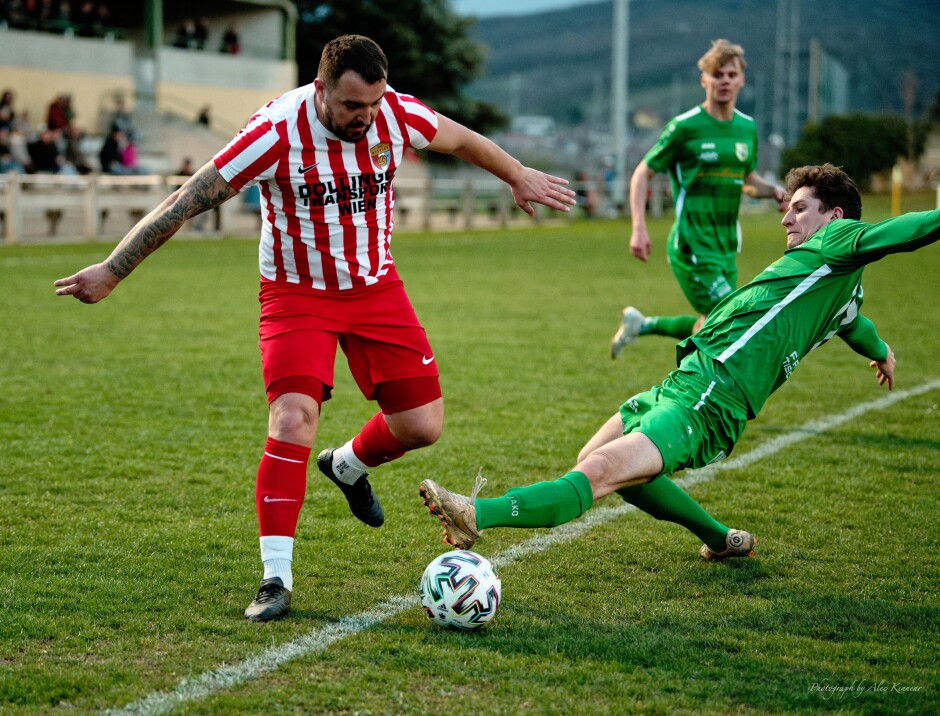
224,677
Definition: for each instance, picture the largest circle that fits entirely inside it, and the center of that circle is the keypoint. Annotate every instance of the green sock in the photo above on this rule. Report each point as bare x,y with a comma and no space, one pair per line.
675,326
665,500
544,504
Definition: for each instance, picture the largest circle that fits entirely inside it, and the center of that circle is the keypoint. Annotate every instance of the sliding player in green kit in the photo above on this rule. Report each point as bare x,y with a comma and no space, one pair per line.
748,347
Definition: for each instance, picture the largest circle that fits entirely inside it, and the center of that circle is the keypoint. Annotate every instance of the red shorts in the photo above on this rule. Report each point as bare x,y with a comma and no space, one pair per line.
376,327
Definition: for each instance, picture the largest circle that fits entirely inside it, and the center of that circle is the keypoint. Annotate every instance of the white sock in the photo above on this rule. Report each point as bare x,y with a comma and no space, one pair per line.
346,466
277,552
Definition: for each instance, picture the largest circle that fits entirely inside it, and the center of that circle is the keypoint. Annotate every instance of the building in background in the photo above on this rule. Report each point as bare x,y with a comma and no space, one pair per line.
134,56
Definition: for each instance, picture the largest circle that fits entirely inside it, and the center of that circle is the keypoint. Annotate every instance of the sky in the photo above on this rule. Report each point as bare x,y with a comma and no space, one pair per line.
490,8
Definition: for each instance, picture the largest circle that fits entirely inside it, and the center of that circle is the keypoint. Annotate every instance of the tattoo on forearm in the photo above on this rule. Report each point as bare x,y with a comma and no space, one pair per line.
204,190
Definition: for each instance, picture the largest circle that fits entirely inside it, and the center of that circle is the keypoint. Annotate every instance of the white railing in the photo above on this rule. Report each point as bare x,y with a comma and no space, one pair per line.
44,208
39,208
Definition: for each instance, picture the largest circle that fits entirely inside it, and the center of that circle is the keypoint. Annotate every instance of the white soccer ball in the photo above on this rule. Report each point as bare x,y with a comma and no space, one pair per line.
460,590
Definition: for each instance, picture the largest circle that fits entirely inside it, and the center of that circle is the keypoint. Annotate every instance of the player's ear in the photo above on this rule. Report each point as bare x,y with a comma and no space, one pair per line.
837,212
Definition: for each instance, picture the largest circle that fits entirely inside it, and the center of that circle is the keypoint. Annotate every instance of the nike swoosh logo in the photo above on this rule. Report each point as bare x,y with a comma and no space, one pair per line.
268,498
304,170
426,360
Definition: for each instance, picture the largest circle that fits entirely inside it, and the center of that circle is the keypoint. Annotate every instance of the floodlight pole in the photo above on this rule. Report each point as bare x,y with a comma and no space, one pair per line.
619,104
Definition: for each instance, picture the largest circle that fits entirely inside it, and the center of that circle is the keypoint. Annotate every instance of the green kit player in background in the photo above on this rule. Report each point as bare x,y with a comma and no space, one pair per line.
710,154
748,347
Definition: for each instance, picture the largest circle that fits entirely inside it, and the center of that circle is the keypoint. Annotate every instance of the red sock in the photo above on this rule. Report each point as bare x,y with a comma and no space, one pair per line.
375,443
280,488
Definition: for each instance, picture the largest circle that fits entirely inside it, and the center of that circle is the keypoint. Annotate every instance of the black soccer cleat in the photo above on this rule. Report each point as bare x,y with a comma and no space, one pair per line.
363,502
271,602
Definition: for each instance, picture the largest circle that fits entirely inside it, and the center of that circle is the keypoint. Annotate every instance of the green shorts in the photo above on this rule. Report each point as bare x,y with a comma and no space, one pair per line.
694,418
705,282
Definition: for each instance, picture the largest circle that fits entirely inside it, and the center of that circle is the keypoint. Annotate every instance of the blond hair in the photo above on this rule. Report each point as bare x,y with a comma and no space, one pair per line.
722,51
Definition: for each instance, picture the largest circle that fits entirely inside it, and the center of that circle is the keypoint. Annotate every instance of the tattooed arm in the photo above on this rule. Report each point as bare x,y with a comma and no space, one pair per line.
202,191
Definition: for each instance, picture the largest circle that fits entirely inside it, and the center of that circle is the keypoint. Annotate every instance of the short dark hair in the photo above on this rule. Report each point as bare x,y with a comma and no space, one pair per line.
352,52
832,186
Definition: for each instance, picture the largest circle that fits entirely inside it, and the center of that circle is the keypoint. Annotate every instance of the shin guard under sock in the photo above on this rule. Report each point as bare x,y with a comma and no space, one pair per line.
280,487
544,504
665,500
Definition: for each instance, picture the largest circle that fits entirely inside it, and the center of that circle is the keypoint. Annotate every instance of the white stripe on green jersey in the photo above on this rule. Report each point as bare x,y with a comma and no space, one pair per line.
763,330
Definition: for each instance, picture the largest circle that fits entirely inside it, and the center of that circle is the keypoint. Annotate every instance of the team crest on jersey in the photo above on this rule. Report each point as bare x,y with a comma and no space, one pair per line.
741,150
381,154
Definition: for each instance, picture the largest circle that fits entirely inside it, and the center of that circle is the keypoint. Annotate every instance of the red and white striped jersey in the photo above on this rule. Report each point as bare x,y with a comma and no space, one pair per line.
326,205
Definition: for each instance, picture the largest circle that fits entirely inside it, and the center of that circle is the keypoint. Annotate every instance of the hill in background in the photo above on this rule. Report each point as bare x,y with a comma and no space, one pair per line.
559,63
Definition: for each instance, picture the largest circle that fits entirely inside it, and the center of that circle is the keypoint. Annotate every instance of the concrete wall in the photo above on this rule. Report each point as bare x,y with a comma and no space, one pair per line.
38,67
232,87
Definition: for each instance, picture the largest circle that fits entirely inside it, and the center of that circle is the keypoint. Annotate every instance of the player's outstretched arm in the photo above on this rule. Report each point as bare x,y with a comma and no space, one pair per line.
885,369
527,184
201,192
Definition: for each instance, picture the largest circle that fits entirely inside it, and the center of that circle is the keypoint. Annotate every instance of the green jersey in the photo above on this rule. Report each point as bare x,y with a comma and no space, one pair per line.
706,160
762,331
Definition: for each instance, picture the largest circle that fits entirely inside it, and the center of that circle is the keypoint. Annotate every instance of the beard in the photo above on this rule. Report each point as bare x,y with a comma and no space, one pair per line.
351,133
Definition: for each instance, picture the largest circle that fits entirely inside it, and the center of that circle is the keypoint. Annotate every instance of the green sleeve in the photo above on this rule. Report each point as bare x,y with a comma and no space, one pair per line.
850,244
663,154
862,337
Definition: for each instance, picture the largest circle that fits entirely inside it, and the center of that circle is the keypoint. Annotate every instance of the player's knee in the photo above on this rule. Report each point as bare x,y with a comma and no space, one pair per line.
597,465
585,451
419,435
293,422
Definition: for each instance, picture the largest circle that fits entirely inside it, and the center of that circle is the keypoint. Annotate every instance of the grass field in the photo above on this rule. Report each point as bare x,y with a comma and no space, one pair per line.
131,432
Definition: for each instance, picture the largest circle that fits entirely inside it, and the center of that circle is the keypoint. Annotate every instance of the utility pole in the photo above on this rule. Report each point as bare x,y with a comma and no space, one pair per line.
793,95
780,74
619,103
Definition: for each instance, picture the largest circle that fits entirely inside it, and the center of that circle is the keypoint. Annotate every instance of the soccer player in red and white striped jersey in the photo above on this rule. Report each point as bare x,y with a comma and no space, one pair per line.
325,157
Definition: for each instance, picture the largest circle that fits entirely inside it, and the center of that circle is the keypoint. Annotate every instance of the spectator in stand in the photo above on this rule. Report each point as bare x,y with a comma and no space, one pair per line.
60,114
30,12
55,16
46,155
585,194
62,20
102,18
85,18
92,19
73,150
204,117
44,14
19,148
7,111
8,161
129,157
201,34
186,35
186,168
231,42
122,120
112,153
13,15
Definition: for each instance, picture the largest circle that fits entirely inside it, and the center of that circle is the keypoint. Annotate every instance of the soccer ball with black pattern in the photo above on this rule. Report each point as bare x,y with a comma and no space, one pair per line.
460,590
